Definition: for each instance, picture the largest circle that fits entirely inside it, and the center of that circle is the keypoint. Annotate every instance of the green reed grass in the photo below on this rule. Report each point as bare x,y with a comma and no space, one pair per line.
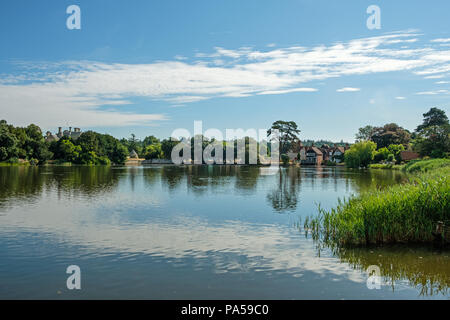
426,165
401,213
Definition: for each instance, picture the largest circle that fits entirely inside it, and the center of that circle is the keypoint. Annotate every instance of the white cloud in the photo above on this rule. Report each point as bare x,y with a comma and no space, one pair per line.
441,40
439,76
400,98
85,91
348,89
442,82
289,91
433,92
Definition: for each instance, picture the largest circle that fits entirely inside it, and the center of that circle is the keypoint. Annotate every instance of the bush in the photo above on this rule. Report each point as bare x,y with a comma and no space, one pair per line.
285,159
360,154
381,154
103,161
13,160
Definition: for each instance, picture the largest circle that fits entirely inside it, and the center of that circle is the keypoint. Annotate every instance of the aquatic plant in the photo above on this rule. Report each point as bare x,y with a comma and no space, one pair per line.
406,212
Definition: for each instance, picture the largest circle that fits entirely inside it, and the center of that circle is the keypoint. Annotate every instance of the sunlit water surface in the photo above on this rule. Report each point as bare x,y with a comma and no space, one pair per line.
217,232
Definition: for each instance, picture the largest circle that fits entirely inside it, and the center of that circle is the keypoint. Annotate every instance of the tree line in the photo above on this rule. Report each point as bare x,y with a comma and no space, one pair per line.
381,144
28,143
374,144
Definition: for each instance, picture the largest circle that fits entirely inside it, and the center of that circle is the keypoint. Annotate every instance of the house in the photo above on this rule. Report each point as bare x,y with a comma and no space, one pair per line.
313,156
67,133
327,152
338,154
408,155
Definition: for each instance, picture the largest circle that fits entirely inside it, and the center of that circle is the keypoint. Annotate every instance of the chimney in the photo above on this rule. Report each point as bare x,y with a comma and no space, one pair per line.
70,129
59,130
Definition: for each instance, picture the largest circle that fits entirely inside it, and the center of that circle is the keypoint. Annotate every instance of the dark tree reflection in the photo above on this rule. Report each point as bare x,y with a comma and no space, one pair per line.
285,196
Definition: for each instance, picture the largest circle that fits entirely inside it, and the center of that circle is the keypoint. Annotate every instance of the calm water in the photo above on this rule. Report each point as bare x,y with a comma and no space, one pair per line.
203,232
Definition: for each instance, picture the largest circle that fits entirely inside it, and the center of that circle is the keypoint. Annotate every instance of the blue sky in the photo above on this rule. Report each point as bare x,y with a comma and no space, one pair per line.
149,67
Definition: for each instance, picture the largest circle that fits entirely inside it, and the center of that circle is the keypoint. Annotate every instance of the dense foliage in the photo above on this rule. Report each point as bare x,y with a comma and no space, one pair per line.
25,143
360,154
431,139
28,143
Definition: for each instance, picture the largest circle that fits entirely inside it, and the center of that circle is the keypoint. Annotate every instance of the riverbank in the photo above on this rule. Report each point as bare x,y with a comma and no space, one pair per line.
407,213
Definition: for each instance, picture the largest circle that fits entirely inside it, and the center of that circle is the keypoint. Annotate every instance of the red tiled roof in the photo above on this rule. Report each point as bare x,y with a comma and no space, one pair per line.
408,155
315,150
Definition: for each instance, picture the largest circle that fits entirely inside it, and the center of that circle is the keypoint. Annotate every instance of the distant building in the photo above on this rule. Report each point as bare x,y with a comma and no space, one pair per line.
408,155
313,156
133,155
338,154
67,133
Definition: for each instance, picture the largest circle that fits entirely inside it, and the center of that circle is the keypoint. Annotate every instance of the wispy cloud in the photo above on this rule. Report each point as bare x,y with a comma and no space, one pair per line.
434,92
400,98
95,93
440,40
348,89
289,91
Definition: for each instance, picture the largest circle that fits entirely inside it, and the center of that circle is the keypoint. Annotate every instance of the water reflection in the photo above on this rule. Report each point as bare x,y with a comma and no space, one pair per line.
422,267
28,182
284,196
219,224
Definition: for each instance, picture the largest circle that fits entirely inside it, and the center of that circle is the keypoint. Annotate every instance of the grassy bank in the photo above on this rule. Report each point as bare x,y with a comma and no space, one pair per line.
386,166
402,213
426,165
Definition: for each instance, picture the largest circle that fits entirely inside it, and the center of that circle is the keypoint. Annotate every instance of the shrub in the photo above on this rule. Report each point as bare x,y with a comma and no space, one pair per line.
285,159
381,154
360,154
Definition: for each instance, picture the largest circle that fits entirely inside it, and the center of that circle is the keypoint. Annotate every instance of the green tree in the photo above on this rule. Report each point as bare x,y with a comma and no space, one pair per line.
390,133
360,154
365,133
396,149
68,151
381,154
88,141
119,154
433,141
432,136
153,151
288,131
8,143
167,145
150,140
434,117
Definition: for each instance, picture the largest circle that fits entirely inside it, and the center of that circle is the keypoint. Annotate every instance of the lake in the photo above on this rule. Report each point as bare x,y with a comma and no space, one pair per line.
195,232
